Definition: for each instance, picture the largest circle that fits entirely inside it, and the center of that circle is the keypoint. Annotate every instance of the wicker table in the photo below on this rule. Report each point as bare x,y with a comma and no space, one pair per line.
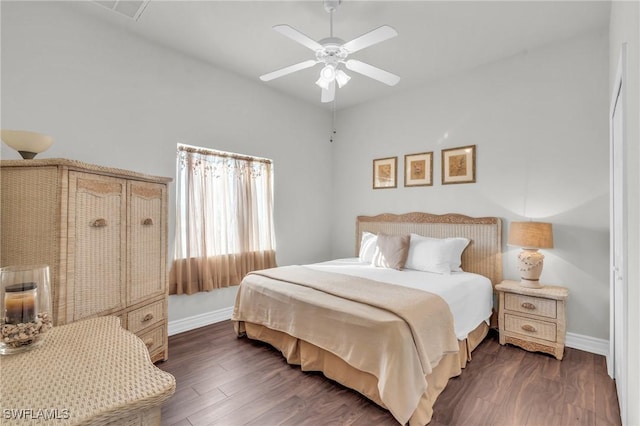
87,372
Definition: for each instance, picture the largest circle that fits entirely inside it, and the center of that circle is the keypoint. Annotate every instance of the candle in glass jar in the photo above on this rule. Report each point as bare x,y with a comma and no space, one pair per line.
20,303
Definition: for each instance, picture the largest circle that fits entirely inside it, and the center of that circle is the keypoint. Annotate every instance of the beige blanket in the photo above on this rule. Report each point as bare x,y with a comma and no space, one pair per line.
366,323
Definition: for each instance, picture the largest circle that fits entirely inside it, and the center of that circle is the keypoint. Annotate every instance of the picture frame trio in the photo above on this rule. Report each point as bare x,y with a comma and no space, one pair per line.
458,166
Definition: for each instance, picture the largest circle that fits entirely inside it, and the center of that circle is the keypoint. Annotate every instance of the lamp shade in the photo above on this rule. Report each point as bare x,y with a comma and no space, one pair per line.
342,78
28,144
533,235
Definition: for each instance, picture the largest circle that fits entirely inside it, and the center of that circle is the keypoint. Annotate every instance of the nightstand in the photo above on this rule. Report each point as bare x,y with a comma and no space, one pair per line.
532,318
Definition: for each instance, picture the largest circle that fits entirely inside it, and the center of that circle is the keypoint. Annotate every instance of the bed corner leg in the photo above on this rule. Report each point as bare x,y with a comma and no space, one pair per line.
239,328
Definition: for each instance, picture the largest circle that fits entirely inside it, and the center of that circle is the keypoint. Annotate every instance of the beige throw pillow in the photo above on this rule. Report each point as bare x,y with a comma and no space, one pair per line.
391,251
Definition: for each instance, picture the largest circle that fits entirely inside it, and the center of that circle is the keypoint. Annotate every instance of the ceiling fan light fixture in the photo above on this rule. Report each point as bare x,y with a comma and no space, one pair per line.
322,83
328,73
333,51
342,78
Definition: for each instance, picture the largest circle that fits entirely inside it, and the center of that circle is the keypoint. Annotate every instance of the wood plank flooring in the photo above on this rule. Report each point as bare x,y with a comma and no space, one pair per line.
223,380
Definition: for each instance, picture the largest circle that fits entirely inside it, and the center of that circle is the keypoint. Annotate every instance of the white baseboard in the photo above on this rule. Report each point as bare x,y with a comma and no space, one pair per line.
587,344
576,341
201,320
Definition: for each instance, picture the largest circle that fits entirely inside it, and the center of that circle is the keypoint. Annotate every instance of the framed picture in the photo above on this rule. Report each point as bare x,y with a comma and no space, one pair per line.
385,173
418,169
459,165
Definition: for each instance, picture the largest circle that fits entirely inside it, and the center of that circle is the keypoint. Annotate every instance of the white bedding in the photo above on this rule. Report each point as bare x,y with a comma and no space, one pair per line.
470,296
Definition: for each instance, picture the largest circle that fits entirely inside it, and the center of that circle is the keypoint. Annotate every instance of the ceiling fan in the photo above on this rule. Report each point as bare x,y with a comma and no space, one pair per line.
332,52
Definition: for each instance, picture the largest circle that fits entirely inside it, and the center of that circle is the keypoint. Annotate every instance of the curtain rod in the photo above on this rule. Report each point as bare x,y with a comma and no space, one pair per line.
208,151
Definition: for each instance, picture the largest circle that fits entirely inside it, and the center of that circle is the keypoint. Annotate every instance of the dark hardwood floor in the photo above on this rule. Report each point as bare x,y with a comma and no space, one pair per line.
223,380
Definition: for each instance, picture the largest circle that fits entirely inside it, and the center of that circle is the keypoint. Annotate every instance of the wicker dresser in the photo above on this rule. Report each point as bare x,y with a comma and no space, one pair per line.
102,231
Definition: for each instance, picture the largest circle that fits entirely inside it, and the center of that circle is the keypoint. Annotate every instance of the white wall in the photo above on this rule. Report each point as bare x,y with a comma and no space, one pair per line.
111,98
625,28
539,121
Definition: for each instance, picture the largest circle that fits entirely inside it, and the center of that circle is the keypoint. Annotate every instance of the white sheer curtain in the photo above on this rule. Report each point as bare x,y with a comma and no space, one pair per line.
224,219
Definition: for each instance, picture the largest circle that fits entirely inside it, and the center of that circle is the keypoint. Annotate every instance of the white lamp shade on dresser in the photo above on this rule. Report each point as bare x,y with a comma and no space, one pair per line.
28,144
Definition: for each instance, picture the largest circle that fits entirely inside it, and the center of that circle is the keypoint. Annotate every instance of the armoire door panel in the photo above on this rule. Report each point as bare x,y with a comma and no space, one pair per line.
146,248
97,238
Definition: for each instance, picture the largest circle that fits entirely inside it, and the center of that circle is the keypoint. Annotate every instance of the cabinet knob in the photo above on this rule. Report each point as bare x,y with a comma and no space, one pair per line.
99,223
528,305
148,317
529,328
148,342
148,221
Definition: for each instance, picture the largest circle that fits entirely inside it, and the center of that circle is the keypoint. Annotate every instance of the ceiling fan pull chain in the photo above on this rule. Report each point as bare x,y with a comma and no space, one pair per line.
333,120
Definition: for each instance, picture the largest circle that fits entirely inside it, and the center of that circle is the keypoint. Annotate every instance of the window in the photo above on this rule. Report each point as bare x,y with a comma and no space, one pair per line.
224,219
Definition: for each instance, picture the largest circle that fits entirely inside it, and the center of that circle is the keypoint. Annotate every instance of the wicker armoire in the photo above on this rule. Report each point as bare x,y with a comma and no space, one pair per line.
102,231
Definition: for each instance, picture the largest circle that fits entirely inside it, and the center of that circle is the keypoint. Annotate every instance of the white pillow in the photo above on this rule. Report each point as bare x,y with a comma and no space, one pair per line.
368,244
439,255
457,246
428,254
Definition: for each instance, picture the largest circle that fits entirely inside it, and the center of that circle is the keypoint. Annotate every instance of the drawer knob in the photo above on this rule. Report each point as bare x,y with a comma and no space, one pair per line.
148,317
99,223
529,328
148,342
528,305
148,221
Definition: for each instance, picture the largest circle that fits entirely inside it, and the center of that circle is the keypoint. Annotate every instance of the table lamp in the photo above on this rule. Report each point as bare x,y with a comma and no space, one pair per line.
28,144
531,236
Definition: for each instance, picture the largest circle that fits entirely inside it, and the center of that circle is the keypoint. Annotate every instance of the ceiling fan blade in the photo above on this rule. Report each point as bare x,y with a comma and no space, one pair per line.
297,36
328,95
370,71
382,33
288,70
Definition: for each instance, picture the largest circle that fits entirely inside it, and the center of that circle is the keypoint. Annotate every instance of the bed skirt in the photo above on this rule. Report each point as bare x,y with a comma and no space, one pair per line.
313,358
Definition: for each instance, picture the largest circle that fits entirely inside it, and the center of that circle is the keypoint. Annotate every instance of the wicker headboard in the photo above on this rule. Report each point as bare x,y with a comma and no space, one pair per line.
482,256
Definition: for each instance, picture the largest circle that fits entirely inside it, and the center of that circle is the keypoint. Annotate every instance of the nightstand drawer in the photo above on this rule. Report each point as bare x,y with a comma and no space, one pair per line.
540,329
530,305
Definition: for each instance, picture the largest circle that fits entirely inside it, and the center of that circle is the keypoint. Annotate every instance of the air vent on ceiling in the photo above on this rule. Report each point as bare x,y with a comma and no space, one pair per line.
129,8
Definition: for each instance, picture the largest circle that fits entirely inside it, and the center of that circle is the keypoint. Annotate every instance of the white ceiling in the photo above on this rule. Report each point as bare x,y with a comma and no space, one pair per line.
436,38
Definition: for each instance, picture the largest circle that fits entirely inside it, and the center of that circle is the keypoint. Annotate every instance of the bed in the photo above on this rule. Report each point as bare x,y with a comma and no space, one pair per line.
376,330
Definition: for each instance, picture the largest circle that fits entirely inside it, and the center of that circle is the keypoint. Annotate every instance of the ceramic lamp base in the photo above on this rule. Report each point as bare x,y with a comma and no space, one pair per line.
530,262
530,283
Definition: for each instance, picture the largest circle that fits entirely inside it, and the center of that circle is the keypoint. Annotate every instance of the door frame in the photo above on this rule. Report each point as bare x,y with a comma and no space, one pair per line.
617,359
